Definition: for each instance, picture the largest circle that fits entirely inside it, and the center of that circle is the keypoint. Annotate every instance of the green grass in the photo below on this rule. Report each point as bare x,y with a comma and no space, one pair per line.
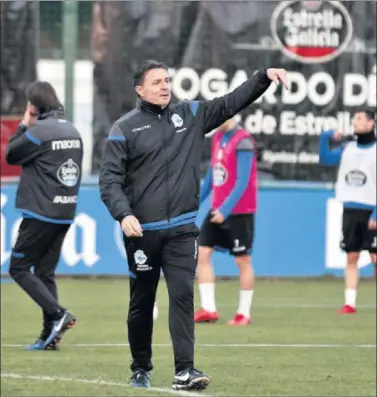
279,317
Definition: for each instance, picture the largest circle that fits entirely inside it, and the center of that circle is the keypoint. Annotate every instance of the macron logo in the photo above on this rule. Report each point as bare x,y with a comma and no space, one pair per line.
66,144
144,127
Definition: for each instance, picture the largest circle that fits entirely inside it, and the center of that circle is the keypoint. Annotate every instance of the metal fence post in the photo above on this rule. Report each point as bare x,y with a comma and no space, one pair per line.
70,21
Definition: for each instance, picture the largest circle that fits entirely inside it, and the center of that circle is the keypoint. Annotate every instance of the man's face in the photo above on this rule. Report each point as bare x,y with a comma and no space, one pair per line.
156,87
361,123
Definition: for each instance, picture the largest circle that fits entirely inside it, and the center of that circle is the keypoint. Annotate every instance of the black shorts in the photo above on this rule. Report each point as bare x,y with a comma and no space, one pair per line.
235,235
356,236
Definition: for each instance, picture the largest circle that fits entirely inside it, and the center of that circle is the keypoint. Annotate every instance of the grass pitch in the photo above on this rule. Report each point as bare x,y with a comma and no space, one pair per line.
297,345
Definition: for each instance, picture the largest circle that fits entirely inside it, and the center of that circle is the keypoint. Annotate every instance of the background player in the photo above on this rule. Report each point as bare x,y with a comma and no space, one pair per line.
229,224
356,189
50,151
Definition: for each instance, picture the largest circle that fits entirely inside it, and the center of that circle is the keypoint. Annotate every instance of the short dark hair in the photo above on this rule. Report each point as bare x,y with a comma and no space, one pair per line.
145,67
42,95
371,115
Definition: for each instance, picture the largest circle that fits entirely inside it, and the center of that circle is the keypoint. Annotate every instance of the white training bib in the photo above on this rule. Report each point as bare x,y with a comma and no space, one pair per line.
357,175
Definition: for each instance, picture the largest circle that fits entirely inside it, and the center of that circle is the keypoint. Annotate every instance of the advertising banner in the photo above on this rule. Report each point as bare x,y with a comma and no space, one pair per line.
328,47
290,238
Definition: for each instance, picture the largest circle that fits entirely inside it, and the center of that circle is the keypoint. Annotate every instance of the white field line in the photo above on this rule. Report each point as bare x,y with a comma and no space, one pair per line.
288,305
297,305
98,382
224,345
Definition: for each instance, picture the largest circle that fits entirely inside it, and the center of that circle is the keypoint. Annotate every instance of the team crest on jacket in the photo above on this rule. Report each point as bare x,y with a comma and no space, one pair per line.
68,173
177,120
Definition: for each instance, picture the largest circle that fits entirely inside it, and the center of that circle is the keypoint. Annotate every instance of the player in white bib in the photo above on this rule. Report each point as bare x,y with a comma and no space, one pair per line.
356,189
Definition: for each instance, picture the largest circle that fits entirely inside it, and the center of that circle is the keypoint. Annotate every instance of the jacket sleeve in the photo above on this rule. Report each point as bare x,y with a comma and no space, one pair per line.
206,186
329,156
24,146
112,175
215,112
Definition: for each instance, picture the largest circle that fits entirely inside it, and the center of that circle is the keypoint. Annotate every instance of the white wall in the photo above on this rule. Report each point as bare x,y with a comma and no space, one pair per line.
53,72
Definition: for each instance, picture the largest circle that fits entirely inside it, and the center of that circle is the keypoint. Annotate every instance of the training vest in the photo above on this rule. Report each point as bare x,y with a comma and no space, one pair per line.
357,175
224,174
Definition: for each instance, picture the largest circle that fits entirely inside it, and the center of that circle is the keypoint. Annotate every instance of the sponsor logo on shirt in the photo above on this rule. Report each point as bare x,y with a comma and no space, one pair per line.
65,199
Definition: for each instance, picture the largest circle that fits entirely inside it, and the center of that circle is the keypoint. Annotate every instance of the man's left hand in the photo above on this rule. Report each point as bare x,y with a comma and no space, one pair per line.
372,225
217,217
30,115
278,76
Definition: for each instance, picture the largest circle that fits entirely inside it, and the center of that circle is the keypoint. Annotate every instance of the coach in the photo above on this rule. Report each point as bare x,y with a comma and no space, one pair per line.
150,183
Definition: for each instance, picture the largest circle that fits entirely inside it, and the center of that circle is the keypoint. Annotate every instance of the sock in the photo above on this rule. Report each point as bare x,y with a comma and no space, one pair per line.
246,298
350,297
207,297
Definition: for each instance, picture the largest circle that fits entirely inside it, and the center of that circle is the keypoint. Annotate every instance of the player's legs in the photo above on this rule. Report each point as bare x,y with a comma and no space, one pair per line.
241,233
206,279
372,247
244,264
208,238
140,321
179,263
32,243
351,279
45,271
355,234
144,261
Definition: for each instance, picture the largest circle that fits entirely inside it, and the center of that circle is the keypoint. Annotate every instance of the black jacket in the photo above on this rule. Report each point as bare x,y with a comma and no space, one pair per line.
50,153
151,164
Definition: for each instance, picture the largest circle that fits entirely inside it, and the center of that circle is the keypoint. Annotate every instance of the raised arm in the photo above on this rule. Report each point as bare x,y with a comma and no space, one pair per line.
216,111
24,146
329,156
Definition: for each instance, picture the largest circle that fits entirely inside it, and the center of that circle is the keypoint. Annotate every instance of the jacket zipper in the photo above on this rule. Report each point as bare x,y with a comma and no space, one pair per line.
167,176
